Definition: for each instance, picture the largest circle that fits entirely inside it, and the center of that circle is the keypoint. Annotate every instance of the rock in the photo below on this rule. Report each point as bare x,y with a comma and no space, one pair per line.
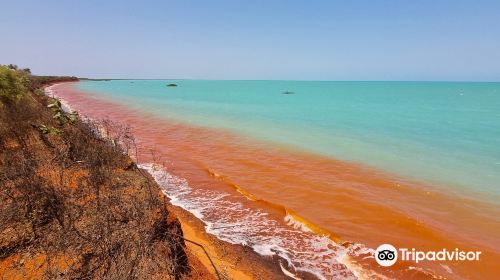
171,85
288,92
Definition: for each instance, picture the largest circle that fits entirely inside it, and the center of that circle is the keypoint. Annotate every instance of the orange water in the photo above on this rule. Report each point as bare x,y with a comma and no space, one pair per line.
347,201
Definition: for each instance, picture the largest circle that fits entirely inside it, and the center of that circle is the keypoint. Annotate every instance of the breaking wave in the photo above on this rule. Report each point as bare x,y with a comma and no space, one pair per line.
229,220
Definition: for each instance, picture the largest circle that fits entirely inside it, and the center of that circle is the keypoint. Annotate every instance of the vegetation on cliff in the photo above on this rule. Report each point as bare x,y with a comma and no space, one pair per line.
72,203
13,83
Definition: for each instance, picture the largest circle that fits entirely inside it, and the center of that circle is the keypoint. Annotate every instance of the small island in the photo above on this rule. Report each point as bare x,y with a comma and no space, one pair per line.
171,85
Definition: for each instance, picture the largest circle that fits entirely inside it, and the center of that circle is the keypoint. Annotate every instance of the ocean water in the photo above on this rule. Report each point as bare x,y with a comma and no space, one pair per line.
320,176
443,133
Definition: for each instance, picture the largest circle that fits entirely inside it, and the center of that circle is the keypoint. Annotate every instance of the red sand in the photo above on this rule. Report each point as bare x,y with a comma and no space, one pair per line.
349,201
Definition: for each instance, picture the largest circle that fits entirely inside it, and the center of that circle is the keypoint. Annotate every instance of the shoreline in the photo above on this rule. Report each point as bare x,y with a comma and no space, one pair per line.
216,176
231,260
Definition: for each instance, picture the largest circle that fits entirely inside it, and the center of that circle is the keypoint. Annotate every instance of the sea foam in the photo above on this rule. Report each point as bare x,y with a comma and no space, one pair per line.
231,221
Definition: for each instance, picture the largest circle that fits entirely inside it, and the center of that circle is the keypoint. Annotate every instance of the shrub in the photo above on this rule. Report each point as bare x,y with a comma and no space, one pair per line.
13,83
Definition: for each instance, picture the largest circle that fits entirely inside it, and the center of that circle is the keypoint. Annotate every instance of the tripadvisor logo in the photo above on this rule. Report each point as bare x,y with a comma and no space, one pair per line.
387,255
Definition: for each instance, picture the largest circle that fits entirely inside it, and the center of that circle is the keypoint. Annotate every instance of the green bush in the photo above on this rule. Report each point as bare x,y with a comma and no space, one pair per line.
13,83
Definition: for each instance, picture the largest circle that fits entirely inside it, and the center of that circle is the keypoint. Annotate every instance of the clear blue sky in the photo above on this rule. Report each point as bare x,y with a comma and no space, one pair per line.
306,40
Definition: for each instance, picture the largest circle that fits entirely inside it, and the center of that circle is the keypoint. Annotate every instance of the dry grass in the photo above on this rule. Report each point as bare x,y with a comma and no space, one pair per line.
74,205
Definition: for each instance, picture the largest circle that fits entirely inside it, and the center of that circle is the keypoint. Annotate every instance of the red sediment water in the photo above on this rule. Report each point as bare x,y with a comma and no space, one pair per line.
347,201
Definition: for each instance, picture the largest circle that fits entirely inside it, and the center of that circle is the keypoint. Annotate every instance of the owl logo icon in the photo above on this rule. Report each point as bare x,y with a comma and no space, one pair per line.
386,255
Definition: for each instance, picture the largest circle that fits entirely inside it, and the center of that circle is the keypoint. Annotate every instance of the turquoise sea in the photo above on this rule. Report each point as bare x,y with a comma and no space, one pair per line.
443,133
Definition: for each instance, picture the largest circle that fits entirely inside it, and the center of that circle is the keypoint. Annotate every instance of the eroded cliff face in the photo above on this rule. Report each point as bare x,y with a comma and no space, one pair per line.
74,205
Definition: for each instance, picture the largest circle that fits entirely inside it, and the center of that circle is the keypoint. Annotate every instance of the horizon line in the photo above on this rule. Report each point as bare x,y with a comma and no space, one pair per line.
288,80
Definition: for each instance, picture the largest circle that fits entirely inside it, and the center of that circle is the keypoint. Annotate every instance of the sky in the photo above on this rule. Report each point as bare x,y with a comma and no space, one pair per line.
271,39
